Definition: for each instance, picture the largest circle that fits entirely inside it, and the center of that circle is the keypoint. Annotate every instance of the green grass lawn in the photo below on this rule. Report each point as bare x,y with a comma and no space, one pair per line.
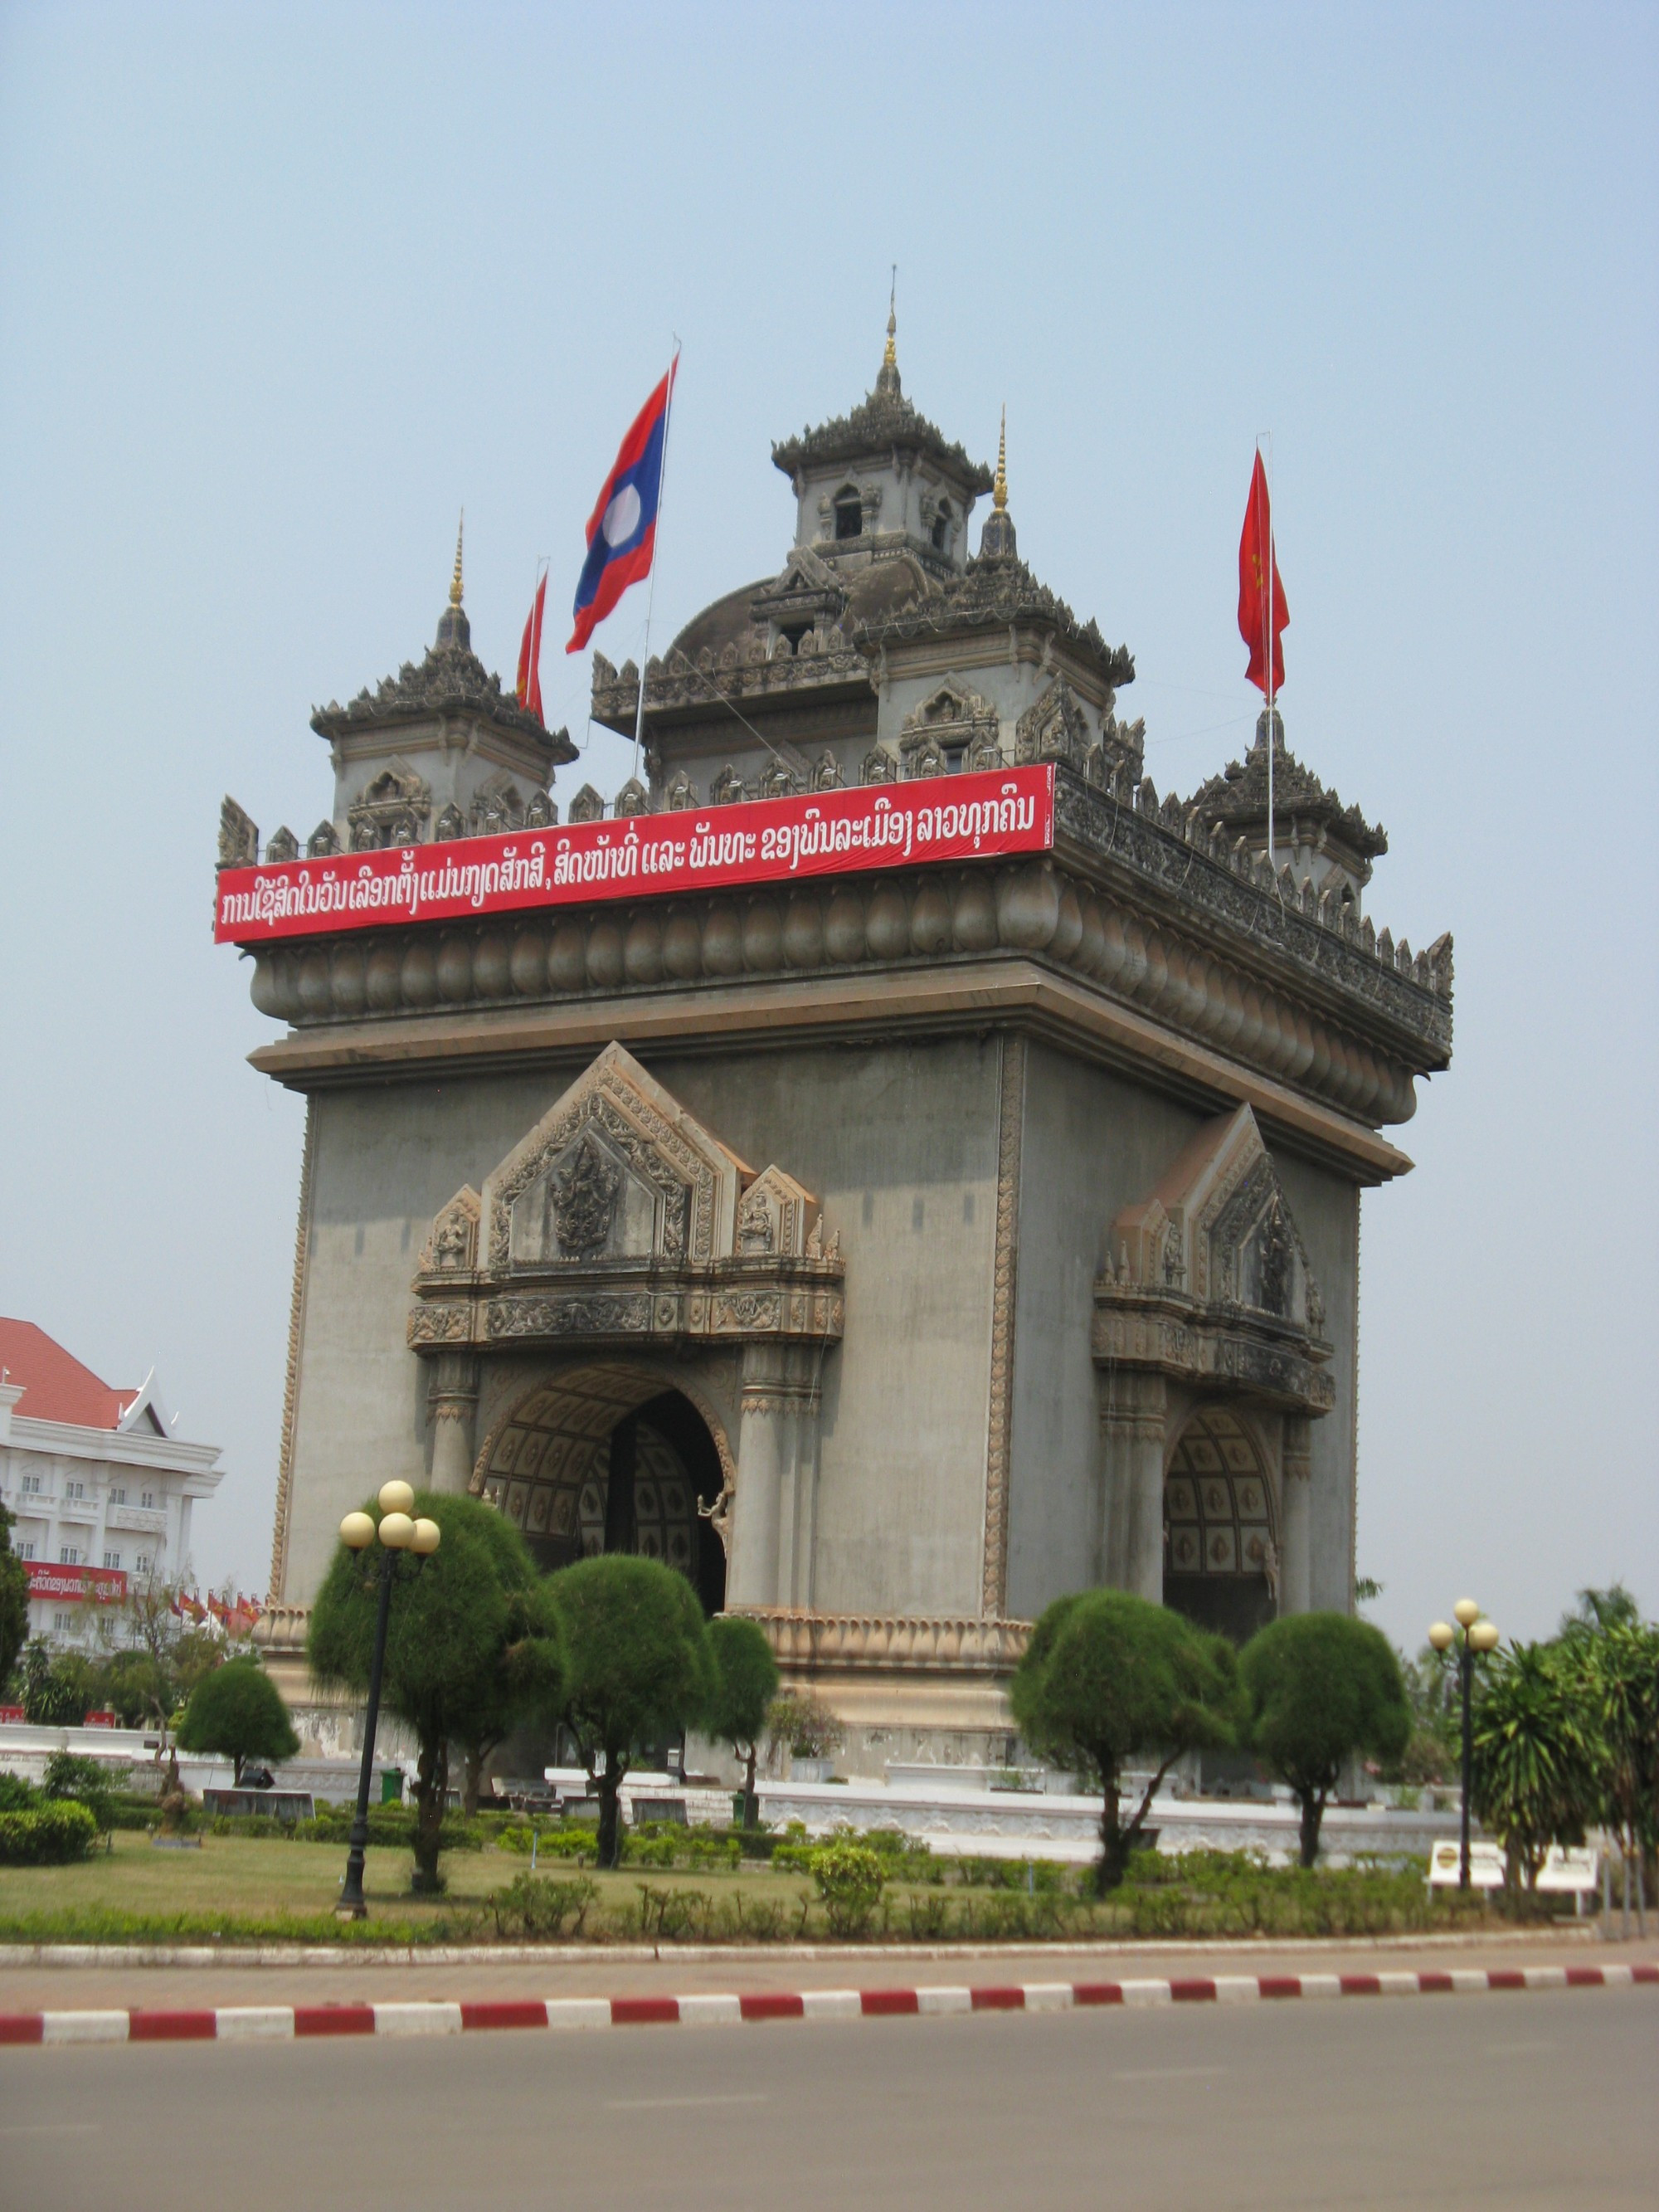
249,1885
238,1889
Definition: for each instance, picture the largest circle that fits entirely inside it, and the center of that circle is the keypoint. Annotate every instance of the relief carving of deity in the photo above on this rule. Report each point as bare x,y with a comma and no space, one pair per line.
584,1192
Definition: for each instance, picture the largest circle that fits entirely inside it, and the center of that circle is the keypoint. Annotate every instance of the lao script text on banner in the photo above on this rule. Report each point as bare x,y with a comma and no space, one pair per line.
932,823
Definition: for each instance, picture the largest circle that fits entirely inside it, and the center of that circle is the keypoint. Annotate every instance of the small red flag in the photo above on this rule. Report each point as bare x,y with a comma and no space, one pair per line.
528,689
1256,561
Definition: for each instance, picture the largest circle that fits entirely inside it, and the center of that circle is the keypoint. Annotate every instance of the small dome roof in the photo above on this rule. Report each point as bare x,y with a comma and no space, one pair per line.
880,590
723,623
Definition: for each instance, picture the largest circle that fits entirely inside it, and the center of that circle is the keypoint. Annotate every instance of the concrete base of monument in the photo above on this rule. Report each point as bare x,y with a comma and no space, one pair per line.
996,1823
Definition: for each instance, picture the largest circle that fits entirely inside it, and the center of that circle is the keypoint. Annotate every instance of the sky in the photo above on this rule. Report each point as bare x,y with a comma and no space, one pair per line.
283,289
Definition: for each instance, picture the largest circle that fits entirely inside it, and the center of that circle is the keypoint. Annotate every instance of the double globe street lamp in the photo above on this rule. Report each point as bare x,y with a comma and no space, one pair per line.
1474,1637
397,1532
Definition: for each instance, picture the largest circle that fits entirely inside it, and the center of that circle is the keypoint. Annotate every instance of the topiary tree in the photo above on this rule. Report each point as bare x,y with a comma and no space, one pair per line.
469,1647
1108,1676
640,1665
746,1681
1319,1688
1537,1767
238,1712
14,1600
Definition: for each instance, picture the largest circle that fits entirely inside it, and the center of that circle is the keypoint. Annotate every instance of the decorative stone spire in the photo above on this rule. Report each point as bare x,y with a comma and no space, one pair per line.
887,379
454,629
997,539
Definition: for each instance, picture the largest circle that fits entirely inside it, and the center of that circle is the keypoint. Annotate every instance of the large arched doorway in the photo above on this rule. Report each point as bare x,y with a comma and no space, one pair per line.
1219,1557
606,1459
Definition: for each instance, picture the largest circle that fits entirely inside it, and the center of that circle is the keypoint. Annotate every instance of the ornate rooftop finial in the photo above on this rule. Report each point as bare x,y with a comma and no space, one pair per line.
453,627
996,540
887,379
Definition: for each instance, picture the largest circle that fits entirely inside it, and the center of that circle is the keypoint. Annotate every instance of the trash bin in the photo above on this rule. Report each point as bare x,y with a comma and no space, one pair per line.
391,1787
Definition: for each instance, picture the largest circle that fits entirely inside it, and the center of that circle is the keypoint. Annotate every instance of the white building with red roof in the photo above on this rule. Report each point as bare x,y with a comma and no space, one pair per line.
99,1489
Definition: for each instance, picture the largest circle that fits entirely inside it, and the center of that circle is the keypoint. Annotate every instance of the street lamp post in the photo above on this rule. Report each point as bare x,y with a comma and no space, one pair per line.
397,1532
1474,1637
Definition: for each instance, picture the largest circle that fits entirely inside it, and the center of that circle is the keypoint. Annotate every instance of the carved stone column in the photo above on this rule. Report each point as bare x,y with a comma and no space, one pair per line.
772,1515
452,1401
1133,1417
1295,1511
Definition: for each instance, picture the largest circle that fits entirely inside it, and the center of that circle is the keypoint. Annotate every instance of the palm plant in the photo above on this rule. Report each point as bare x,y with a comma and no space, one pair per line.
1535,1759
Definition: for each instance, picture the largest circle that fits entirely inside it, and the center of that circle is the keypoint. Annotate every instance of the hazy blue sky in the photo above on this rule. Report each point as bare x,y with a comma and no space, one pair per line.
280,290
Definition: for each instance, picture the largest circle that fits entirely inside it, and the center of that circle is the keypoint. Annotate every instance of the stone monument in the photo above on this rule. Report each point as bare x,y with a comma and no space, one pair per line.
892,1247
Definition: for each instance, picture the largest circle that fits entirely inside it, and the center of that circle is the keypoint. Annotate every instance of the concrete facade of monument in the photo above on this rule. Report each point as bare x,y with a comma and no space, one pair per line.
891,1251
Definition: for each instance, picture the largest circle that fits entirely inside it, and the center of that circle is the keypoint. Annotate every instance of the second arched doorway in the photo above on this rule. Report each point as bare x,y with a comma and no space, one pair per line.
605,1458
1220,1557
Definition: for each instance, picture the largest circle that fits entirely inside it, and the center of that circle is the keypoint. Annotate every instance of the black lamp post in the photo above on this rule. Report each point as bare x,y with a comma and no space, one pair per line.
1474,1637
396,1532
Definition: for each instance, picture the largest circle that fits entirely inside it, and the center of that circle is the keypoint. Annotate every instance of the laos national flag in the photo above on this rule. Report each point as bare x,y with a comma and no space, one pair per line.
621,530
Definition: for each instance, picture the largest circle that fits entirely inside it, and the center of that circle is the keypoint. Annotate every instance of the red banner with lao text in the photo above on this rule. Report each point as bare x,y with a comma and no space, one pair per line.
108,1585
935,822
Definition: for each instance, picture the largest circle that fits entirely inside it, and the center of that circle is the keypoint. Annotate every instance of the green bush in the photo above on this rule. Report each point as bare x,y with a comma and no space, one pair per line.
51,1835
538,1910
668,1915
850,1882
576,1843
87,1782
17,1796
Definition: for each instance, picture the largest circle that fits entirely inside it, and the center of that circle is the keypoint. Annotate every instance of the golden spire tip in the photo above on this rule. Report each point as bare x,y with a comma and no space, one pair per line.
1000,490
455,581
890,359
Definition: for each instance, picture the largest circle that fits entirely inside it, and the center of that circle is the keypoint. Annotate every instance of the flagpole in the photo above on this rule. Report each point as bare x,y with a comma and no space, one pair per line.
656,548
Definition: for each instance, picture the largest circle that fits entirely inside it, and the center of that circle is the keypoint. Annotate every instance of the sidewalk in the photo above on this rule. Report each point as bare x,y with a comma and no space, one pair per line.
691,1969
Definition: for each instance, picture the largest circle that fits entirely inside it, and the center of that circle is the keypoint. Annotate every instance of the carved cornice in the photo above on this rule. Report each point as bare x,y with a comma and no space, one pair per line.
450,680
1285,996
1202,1346
732,1302
888,1642
884,420
1237,799
757,675
997,594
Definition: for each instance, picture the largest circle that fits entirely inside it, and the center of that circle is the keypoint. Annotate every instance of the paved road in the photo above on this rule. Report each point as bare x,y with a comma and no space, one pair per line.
1516,2101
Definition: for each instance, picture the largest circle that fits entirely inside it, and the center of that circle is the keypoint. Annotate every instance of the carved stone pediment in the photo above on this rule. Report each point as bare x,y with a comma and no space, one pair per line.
953,726
452,1247
392,809
619,1217
1208,1276
239,836
498,806
1054,729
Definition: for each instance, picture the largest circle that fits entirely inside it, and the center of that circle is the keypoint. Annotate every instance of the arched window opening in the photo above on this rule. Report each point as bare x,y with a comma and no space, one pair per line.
595,1462
850,515
942,527
1220,1560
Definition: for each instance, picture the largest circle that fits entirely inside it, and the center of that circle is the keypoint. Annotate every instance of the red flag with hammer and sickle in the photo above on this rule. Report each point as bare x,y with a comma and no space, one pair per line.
1261,608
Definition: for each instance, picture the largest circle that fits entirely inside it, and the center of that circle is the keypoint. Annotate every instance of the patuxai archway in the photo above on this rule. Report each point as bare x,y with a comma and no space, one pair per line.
1221,1558
625,1313
601,1457
1072,1092
1210,1362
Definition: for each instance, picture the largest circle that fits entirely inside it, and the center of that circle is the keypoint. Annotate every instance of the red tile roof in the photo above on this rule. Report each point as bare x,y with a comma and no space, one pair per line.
56,1386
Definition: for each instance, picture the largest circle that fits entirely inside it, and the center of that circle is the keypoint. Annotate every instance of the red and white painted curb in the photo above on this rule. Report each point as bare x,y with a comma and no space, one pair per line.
283,2023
